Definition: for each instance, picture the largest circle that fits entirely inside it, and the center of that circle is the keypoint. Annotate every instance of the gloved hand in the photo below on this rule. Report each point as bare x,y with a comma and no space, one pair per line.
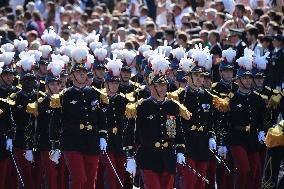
9,144
54,155
131,166
222,151
180,158
261,136
103,144
29,155
212,144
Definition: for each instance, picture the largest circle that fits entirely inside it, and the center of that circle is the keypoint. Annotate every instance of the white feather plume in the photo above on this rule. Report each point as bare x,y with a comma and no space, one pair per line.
37,54
114,65
55,67
160,64
185,64
7,57
143,48
229,54
90,61
246,60
202,56
45,51
95,45
92,37
67,48
27,62
62,58
178,53
261,61
100,54
49,36
8,47
21,44
118,53
128,56
79,53
118,46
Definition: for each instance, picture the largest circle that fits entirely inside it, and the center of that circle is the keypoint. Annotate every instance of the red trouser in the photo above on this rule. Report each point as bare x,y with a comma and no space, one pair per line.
25,168
100,175
110,179
211,172
82,169
225,180
4,164
153,180
54,173
247,168
190,180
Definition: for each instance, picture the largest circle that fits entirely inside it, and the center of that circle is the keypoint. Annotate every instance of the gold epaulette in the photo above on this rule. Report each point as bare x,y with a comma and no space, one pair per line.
131,109
103,95
8,101
128,96
138,85
214,85
275,91
274,101
264,97
32,108
222,104
175,95
55,101
41,93
19,86
13,96
184,113
275,136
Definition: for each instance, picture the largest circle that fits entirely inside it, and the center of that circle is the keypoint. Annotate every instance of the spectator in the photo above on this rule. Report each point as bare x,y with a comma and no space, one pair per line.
38,20
216,51
30,24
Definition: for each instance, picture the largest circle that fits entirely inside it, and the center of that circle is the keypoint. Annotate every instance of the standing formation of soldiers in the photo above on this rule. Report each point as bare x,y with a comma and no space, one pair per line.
82,115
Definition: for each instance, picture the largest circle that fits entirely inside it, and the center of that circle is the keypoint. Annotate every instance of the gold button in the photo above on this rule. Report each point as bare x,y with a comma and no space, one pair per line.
87,115
113,109
160,108
157,144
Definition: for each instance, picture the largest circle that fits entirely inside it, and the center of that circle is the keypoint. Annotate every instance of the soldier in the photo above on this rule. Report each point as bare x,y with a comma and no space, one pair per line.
224,89
24,138
126,86
246,128
274,156
155,128
198,130
277,68
82,122
7,132
99,68
114,105
7,75
48,149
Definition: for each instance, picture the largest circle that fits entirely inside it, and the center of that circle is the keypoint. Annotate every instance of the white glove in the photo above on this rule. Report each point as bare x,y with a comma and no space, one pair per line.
222,151
9,144
131,166
180,158
103,144
54,155
261,136
29,155
212,144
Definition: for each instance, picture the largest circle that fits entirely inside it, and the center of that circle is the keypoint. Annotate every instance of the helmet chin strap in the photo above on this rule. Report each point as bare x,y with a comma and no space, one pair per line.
109,88
192,81
157,91
78,81
244,85
50,89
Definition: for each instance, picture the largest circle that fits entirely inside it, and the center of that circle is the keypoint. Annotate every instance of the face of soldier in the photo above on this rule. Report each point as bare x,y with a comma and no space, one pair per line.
28,84
63,80
7,78
53,87
80,77
99,73
227,75
258,82
112,87
245,82
207,83
43,69
196,80
159,90
125,76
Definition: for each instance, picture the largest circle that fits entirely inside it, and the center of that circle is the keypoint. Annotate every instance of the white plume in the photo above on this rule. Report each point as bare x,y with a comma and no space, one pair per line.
92,37
27,62
118,53
165,50
128,56
45,51
202,56
261,61
178,53
7,57
21,44
118,46
49,36
114,65
62,58
185,63
246,60
37,54
160,64
55,67
95,45
143,48
229,54
90,61
8,47
79,53
100,53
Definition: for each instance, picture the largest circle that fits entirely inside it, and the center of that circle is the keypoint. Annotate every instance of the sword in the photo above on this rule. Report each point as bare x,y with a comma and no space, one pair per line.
196,173
220,159
115,172
17,169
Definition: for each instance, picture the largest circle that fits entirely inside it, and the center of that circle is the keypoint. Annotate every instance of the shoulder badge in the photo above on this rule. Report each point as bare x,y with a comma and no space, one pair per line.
214,84
184,113
131,109
175,95
55,101
32,109
128,96
13,96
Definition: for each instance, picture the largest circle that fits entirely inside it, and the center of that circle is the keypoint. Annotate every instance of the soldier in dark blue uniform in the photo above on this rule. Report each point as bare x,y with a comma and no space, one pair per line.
99,70
154,132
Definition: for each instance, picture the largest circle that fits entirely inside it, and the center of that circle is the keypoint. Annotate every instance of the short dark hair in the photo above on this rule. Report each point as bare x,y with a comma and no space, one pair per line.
240,7
221,15
216,34
259,12
28,15
253,31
